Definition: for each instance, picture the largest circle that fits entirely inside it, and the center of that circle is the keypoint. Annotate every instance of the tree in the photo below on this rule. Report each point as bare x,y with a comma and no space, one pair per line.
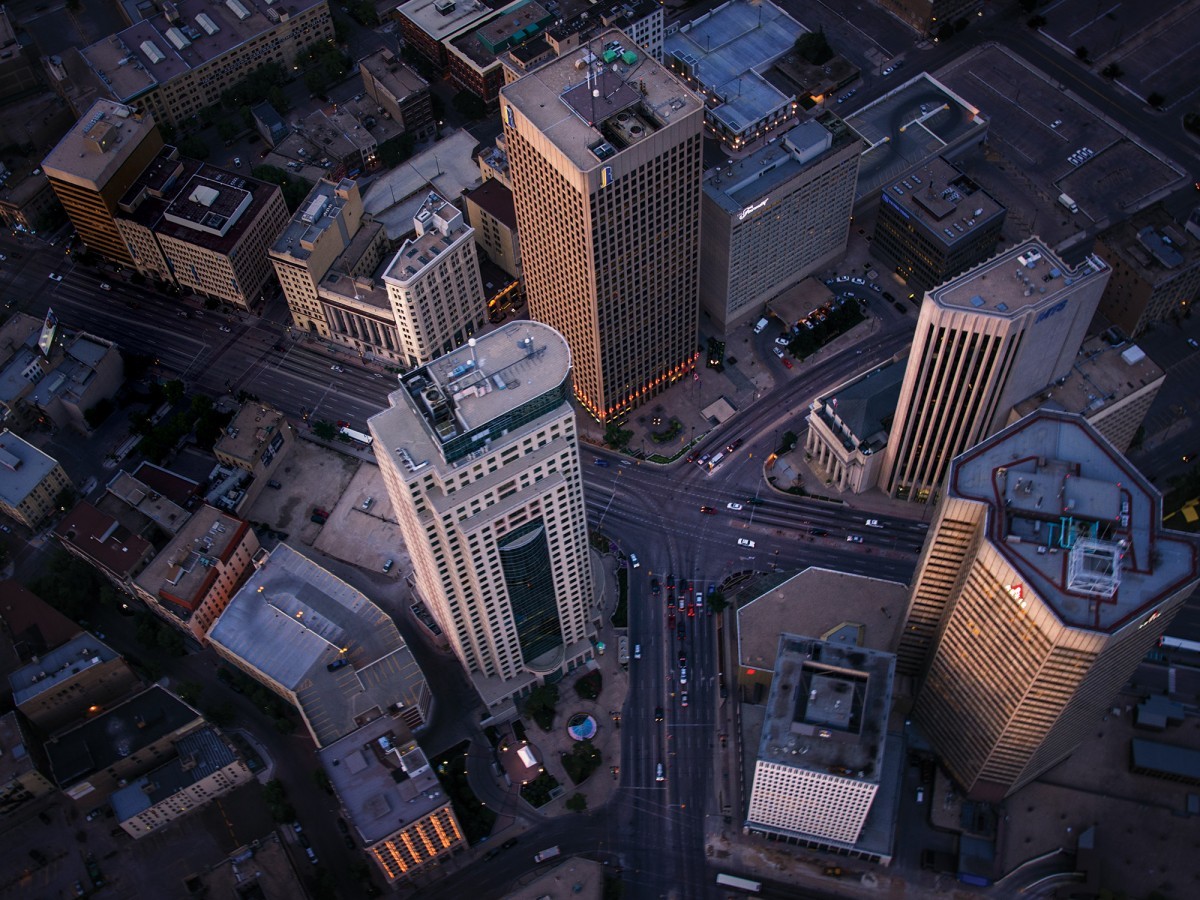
616,436
1081,53
189,691
324,430
1112,70
577,802
814,48
98,412
194,147
718,601
1156,100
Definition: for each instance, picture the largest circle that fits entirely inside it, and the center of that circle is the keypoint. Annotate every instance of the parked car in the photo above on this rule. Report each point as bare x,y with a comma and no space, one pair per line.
274,484
54,277
745,542
387,566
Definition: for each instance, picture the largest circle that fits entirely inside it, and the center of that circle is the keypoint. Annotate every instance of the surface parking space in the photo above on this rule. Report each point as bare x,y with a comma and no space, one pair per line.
364,537
311,477
1038,129
1155,43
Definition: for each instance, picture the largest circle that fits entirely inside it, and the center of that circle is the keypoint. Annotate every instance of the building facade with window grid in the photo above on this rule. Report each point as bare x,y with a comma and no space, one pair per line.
605,159
1046,578
984,342
820,758
776,216
481,462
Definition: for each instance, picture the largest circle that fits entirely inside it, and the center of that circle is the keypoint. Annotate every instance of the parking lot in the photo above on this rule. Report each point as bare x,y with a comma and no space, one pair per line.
1155,44
1043,131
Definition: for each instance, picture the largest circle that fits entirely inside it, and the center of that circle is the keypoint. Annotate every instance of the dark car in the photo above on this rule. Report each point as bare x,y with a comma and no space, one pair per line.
658,714
274,484
509,844
820,532
670,581
734,445
602,463
337,664
682,658
900,306
654,587
681,631
888,297
708,510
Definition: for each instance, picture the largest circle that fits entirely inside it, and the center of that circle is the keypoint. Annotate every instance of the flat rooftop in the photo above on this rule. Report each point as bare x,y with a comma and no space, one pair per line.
161,510
292,619
737,186
494,198
1080,525
251,433
590,112
445,409
205,752
944,200
182,574
15,760
835,606
900,136
509,28
119,733
439,226
98,144
1027,277
383,778
393,74
22,467
80,653
153,51
100,536
320,211
726,50
1103,374
1153,244
441,19
828,708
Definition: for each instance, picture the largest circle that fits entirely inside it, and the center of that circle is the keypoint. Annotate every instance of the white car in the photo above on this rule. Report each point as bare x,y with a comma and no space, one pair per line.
637,651
778,351
683,674
226,329
889,70
734,506
633,560
858,280
105,286
54,277
874,523
782,341
337,369
745,542
3,257
853,539
877,289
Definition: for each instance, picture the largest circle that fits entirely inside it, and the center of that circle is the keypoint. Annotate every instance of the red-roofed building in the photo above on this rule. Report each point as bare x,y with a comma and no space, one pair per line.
104,542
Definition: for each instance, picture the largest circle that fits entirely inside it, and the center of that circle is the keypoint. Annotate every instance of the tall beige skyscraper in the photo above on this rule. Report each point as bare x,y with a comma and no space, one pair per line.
604,148
985,341
480,459
1046,578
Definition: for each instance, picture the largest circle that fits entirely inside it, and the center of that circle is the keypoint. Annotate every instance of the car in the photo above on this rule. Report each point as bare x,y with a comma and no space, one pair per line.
877,289
297,828
655,588
509,844
681,631
787,363
105,286
745,542
682,658
684,586
5,529
1056,123
843,278
633,561
854,539
339,663
683,675
670,582
708,510
274,484
924,108
637,651
809,325
733,445
889,70
1188,457
336,368
819,532
858,279
783,341
366,504
900,306
54,277
736,507
660,772
79,891
226,329
683,699
602,463
873,523
312,856
778,351
491,854
237,161
1192,342
921,795
3,257
887,295
387,566
658,714
94,814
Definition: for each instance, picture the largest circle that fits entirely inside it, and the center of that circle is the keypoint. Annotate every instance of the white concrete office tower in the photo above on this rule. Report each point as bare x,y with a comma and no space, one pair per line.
605,149
1046,578
480,459
821,753
433,284
985,341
